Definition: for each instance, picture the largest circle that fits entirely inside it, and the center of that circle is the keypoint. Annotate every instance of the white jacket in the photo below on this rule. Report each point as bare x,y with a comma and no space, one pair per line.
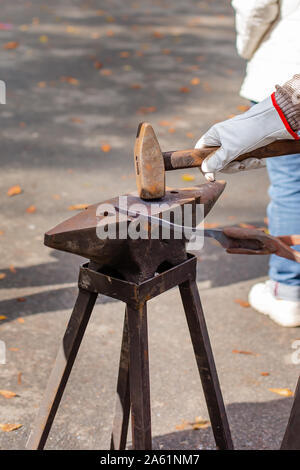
268,36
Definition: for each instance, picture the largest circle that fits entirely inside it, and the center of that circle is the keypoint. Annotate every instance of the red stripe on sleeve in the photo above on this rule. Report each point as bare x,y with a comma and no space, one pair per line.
283,118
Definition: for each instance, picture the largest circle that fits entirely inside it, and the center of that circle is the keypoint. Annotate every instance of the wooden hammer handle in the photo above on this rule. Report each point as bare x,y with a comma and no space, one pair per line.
174,160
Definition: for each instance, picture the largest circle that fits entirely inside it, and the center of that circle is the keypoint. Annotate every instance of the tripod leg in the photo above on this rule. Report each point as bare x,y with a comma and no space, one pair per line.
139,378
206,365
122,408
62,368
291,439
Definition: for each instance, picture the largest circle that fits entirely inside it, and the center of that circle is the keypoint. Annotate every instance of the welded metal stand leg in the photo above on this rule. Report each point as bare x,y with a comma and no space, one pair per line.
62,368
139,378
291,439
206,365
122,408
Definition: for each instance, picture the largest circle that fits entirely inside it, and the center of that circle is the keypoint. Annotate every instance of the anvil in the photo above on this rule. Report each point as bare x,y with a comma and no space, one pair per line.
135,260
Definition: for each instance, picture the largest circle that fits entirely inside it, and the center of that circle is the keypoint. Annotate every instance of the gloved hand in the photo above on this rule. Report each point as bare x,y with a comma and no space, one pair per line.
260,125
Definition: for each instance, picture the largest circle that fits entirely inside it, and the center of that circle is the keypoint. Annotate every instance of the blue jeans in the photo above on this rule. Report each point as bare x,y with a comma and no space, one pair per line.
284,218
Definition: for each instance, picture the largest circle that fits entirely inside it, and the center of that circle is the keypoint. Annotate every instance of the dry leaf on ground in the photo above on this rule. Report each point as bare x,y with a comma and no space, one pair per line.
242,303
2,275
20,320
247,353
106,148
8,427
283,392
14,190
71,80
187,177
243,107
7,393
195,81
3,317
11,45
184,89
265,374
78,207
31,209
211,225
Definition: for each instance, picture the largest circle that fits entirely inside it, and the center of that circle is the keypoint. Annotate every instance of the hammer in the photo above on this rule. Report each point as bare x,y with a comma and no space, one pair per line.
151,163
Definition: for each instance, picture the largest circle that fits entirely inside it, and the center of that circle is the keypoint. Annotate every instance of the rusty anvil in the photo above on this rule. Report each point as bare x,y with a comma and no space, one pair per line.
135,260
138,259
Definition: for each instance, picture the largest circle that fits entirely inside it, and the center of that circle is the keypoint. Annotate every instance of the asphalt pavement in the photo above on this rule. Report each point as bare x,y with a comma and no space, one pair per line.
80,76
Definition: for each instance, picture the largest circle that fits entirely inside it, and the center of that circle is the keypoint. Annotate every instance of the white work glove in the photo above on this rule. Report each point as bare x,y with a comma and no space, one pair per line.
260,125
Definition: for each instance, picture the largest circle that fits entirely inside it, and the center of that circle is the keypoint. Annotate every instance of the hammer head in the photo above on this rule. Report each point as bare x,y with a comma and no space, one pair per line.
149,164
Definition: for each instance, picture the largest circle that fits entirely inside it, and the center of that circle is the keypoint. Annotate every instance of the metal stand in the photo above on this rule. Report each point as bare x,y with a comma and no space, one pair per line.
133,387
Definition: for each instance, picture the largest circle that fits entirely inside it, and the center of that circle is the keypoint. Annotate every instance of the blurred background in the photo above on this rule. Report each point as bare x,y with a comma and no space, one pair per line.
80,76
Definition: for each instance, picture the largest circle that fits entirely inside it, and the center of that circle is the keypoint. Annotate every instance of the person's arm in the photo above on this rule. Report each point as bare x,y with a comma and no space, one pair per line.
253,19
275,118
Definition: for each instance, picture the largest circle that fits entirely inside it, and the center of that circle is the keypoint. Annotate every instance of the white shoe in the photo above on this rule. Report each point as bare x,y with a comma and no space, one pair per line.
283,312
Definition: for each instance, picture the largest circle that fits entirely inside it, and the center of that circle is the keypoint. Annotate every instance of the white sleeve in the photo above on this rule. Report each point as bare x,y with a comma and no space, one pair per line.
253,19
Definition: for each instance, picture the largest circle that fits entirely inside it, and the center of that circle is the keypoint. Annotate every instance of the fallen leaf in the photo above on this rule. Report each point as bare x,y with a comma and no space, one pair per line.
3,317
247,225
166,51
19,378
136,86
7,394
200,423
164,123
2,275
171,130
110,32
21,299
12,269
8,427
14,190
78,207
1,232
76,120
20,320
11,45
190,135
157,34
243,107
187,177
265,374
71,80
211,225
247,353
242,303
284,392
43,39
71,29
184,424
13,349
106,72
97,64
106,148
195,81
42,84
146,109
124,54
184,89
31,209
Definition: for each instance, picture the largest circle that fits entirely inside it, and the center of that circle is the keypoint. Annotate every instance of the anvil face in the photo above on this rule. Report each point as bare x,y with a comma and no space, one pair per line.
78,234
